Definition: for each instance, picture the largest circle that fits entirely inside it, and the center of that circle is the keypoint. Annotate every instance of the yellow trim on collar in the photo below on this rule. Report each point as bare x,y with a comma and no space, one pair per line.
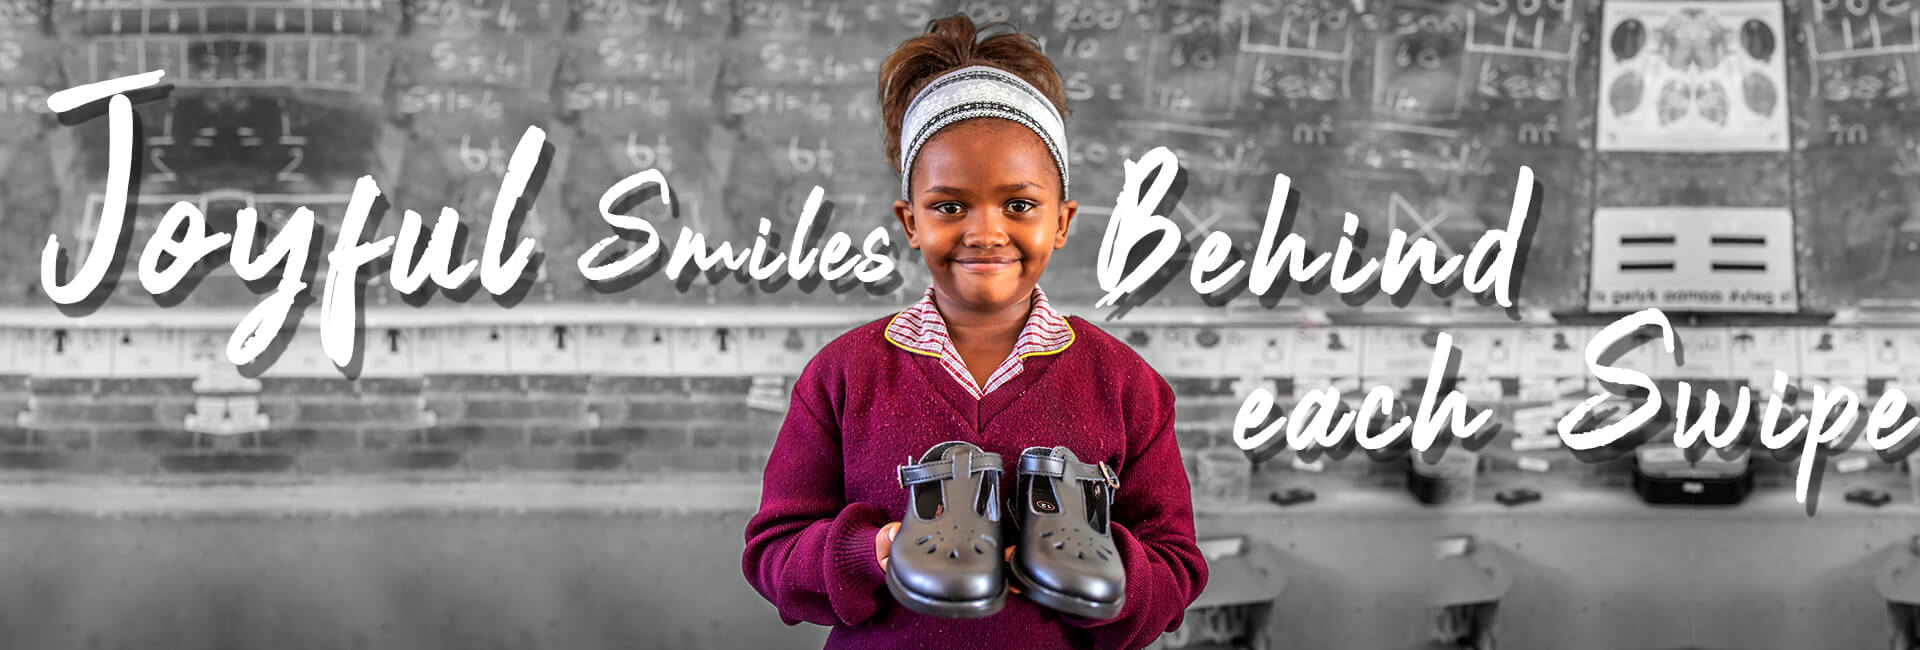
1071,337
887,334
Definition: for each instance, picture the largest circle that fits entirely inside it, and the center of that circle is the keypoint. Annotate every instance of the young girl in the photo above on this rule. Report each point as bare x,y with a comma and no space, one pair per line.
982,358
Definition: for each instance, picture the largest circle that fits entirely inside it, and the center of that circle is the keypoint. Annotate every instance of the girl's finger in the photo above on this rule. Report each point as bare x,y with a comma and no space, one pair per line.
1011,587
891,528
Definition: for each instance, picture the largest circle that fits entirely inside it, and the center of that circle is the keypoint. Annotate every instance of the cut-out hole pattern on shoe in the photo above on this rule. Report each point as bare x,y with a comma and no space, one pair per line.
942,580
1067,561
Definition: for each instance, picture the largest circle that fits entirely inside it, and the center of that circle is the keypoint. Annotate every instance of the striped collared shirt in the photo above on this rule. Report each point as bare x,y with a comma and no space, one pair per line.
920,329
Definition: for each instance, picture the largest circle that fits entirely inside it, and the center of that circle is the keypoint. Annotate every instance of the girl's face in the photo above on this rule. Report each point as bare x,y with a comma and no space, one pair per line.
986,212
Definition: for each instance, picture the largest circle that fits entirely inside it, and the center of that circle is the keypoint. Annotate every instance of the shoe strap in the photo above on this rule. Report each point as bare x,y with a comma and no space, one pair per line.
940,470
1057,467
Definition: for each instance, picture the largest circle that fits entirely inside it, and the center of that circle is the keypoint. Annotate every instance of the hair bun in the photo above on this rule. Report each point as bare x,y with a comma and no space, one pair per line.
953,37
951,43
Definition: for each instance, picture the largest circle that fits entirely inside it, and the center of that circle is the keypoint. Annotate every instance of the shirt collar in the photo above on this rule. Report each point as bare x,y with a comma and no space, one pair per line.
920,329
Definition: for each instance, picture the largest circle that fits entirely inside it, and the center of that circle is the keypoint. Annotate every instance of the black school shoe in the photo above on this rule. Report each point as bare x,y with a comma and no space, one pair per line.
947,561
1065,558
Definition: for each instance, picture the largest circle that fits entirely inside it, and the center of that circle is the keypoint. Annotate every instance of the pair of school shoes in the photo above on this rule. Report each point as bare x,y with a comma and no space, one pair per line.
948,560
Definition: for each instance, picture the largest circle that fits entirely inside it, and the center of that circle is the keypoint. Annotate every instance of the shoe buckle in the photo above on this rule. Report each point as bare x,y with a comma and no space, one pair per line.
900,473
1113,481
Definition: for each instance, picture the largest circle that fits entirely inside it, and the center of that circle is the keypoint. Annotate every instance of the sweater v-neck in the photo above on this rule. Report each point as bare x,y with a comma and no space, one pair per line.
980,412
921,332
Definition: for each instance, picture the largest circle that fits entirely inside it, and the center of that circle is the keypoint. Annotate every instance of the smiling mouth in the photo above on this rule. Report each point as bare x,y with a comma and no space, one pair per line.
986,264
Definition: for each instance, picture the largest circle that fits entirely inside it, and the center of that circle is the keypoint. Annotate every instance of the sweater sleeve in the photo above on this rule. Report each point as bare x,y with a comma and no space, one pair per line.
808,551
1153,531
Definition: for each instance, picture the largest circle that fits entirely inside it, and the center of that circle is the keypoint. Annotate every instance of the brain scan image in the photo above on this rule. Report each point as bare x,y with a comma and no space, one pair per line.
1692,38
1675,96
1710,99
1760,93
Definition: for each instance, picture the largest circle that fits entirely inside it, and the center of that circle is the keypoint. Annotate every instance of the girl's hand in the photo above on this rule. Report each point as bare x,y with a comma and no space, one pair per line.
883,545
883,542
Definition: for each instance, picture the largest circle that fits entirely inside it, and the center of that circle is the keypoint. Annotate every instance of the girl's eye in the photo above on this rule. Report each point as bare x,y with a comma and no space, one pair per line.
942,208
1015,202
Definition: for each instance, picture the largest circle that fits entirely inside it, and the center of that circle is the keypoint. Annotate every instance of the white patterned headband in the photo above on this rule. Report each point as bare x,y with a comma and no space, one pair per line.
980,91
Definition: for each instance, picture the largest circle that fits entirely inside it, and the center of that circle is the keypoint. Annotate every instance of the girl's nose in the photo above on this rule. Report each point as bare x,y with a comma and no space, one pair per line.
985,231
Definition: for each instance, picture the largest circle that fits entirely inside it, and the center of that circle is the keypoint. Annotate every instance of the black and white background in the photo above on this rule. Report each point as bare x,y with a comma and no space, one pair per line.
571,465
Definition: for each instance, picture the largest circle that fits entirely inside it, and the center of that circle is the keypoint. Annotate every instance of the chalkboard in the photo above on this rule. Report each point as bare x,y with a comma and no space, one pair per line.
29,69
1857,182
1411,114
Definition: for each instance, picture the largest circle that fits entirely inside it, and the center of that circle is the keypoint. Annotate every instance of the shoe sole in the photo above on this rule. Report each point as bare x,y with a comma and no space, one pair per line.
946,608
1094,609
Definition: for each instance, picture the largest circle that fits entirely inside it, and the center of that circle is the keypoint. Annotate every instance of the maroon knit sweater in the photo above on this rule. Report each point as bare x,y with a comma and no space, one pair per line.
863,406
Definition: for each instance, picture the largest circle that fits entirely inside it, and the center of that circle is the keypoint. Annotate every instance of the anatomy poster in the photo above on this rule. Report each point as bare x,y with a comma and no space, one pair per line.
1692,76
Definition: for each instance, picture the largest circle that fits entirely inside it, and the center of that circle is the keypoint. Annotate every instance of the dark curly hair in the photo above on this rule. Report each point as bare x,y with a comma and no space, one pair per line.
950,44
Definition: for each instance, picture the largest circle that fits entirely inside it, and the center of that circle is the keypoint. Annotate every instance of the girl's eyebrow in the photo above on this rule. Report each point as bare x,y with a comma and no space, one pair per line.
1010,187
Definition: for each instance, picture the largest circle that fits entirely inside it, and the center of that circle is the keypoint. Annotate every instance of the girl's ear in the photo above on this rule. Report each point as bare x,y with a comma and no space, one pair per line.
904,212
1067,210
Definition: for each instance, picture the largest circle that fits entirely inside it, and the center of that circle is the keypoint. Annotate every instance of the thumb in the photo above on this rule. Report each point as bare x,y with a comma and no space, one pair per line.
888,530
